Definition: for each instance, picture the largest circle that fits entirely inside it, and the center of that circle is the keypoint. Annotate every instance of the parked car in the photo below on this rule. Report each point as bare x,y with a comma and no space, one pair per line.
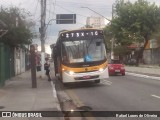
131,62
115,67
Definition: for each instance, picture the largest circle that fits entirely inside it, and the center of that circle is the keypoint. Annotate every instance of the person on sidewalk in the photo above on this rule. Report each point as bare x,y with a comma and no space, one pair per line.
47,68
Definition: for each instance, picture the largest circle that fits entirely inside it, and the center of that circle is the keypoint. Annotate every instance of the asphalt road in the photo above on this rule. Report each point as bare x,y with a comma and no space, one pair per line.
118,93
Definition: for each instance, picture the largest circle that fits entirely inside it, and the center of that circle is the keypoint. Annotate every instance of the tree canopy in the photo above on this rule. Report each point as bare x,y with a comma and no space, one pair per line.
18,27
134,23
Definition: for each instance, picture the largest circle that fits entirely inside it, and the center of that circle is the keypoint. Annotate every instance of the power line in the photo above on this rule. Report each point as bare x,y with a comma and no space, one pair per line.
53,12
71,11
49,10
66,10
7,2
77,22
75,4
49,15
35,12
36,9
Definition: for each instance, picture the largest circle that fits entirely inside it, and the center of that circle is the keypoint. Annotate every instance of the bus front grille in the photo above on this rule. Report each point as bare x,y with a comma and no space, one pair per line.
87,71
86,77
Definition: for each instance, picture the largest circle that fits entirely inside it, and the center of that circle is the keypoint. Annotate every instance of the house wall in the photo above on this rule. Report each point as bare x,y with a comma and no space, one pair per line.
152,56
17,60
22,60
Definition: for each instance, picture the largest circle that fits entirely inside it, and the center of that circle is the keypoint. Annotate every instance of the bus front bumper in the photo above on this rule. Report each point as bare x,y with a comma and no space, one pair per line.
87,76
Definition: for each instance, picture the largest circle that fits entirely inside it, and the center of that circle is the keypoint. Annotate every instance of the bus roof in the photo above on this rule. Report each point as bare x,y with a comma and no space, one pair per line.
74,31
64,31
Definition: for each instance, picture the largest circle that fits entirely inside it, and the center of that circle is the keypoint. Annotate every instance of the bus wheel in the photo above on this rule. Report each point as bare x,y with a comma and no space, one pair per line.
97,81
66,84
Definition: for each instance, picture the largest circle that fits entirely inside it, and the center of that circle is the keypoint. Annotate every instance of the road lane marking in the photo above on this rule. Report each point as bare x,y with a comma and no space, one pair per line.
143,76
155,96
106,82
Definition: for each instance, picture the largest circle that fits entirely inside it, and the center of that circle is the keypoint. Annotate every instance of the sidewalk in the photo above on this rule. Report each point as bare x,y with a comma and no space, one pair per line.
18,95
144,69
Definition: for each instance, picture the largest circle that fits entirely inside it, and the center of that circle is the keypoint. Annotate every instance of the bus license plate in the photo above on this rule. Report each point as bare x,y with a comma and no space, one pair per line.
86,77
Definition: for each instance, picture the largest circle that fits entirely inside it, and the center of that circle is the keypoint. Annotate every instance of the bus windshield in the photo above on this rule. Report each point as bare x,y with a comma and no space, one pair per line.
89,50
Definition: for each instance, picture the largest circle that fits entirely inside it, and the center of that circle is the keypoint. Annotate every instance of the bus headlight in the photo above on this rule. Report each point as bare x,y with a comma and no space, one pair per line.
101,69
71,72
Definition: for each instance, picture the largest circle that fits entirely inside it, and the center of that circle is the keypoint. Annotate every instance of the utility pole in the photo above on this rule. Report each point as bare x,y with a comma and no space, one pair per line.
112,40
33,66
42,32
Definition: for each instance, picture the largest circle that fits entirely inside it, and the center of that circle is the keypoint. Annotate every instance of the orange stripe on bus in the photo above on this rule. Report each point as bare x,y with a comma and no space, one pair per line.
83,69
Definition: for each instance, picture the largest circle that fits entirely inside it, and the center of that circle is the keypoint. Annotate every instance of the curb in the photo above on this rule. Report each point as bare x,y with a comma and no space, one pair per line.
56,99
55,96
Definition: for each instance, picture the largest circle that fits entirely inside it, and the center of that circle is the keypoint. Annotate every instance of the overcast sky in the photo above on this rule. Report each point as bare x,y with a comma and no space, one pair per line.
103,7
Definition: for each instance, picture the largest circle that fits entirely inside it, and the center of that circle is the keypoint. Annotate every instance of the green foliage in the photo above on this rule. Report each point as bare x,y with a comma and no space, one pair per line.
18,31
17,35
121,50
134,22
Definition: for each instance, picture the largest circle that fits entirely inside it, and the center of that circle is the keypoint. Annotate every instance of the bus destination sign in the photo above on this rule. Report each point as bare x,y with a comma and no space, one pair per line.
80,34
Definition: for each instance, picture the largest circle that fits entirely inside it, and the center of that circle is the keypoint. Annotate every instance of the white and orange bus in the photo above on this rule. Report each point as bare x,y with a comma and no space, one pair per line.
80,55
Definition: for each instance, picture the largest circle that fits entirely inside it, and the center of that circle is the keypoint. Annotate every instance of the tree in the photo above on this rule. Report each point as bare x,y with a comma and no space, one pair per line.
3,31
135,22
19,32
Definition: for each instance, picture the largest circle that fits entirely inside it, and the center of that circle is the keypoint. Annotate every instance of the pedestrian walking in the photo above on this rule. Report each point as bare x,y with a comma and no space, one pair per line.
47,68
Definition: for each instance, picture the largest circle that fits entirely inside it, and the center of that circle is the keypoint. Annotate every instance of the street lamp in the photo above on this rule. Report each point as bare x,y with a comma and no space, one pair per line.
49,23
96,13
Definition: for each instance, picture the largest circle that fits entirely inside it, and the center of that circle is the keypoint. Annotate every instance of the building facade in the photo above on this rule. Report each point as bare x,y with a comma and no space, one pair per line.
151,53
95,22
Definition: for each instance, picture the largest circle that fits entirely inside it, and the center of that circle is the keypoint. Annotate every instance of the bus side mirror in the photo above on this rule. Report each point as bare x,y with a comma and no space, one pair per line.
54,48
57,51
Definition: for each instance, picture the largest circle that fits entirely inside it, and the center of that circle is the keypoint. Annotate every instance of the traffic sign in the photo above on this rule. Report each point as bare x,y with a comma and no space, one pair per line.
66,19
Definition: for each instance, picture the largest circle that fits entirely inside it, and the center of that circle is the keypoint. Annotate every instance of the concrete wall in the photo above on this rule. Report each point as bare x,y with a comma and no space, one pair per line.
147,56
22,59
152,56
19,60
